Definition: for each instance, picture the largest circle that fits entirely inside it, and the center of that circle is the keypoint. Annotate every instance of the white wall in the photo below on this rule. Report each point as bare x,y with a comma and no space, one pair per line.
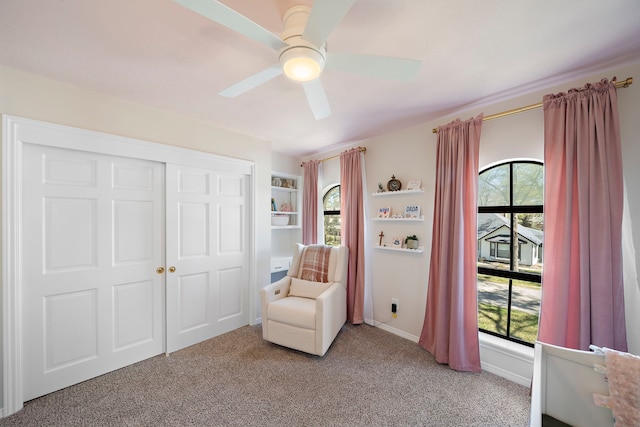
410,154
30,96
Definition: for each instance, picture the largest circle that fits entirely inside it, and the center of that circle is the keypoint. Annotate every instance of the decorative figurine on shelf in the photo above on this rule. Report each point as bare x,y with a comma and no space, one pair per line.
273,204
411,242
285,207
394,184
380,188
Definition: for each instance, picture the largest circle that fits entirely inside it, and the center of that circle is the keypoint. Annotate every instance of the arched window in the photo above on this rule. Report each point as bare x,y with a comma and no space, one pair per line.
510,231
331,207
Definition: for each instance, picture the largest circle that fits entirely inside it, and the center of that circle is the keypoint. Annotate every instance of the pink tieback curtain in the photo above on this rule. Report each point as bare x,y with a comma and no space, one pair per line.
582,286
352,230
310,203
450,330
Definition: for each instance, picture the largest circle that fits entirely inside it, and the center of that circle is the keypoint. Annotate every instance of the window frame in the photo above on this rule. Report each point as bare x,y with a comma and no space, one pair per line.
331,212
512,210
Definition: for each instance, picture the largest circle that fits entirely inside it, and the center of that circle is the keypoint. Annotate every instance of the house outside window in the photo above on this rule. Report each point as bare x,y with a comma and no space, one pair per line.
510,237
332,224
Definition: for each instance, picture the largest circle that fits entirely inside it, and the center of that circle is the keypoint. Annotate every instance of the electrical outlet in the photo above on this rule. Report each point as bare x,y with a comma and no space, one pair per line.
394,307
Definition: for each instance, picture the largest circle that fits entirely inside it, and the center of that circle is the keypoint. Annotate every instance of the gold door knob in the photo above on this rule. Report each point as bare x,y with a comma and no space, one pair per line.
172,269
160,270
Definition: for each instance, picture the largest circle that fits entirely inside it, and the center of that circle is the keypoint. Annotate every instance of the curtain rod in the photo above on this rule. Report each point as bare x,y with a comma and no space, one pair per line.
361,149
625,83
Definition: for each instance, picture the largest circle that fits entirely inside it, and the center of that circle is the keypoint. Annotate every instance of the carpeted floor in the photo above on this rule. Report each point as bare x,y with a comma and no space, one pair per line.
369,377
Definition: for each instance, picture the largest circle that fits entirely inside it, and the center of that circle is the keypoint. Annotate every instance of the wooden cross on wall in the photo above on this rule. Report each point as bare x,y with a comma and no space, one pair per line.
381,235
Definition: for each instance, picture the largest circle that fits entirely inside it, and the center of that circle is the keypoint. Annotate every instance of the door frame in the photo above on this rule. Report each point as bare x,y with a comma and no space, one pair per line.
16,131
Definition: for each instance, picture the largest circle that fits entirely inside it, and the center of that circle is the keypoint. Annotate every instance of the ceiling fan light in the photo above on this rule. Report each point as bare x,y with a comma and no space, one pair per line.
302,64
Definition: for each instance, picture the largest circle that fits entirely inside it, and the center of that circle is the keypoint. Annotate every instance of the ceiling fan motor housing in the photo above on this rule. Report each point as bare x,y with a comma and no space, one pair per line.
300,60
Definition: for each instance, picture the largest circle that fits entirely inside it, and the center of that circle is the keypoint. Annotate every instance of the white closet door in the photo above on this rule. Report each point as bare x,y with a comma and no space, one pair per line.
92,239
207,245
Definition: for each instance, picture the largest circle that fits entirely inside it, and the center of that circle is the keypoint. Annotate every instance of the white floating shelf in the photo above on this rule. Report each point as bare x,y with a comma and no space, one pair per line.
282,227
391,248
283,213
399,219
395,193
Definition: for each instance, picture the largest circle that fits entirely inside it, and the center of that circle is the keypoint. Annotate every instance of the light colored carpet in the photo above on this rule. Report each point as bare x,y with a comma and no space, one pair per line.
369,377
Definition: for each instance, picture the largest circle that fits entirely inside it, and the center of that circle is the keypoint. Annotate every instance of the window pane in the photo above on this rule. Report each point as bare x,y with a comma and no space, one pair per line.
332,230
527,184
530,228
504,251
493,186
525,306
331,201
493,300
494,237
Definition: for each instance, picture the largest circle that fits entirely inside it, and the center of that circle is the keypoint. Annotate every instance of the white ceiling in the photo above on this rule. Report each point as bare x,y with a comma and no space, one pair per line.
158,53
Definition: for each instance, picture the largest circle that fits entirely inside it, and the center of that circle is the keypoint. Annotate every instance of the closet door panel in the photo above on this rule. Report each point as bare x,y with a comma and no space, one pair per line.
92,238
206,239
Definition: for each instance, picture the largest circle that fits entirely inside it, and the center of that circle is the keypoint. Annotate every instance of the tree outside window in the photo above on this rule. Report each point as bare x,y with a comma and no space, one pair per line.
331,207
510,237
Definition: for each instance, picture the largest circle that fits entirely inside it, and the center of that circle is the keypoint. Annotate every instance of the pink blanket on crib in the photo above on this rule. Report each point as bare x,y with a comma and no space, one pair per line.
623,376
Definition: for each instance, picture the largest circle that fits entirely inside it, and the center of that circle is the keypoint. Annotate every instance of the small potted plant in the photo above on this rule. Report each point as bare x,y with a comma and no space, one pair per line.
411,242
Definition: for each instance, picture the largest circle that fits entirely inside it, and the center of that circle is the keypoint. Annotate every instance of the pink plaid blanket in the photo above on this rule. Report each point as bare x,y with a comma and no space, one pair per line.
315,263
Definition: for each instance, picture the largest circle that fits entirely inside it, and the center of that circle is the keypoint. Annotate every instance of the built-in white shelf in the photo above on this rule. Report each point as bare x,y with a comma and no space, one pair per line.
399,219
391,248
284,189
396,193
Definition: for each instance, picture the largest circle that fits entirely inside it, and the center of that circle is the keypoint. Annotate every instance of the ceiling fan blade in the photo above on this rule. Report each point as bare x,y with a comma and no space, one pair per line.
252,82
384,67
317,98
228,17
324,17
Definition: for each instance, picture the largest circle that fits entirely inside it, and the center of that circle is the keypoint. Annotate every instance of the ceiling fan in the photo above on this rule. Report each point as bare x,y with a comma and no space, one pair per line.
302,49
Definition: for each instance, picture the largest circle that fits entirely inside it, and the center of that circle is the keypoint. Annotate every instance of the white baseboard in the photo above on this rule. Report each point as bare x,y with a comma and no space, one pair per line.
395,331
518,379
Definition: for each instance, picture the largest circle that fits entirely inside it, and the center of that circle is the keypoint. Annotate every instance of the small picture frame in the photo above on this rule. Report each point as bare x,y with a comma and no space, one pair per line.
412,212
384,212
396,242
414,184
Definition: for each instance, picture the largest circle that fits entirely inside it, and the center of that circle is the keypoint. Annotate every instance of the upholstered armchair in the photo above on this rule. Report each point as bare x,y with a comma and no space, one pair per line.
306,309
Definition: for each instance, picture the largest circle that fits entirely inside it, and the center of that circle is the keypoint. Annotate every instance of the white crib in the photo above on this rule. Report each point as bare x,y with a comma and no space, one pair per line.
563,385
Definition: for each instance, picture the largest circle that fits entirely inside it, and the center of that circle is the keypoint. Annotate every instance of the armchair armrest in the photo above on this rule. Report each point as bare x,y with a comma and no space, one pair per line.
275,291
270,293
331,314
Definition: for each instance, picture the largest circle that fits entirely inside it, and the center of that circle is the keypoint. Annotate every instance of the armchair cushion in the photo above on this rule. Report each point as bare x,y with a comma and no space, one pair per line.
306,289
294,311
